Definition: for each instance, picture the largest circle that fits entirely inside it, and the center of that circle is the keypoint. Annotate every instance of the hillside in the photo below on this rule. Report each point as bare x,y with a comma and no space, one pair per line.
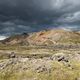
55,37
45,55
46,37
16,39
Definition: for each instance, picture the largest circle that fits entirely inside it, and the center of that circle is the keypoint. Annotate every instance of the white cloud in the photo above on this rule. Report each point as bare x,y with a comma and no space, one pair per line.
8,23
8,29
65,5
2,37
70,27
70,17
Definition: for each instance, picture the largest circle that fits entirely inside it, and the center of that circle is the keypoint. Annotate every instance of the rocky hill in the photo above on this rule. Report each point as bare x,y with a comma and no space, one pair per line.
16,39
45,55
45,37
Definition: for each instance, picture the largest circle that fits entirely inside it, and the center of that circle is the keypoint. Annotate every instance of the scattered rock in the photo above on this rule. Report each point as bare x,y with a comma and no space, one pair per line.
77,79
60,57
12,55
41,69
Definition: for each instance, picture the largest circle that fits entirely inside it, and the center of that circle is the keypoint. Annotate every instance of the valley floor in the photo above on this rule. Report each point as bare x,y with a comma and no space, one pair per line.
23,63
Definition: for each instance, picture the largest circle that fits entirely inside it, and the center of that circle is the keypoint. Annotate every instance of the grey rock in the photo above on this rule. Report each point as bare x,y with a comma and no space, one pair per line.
12,55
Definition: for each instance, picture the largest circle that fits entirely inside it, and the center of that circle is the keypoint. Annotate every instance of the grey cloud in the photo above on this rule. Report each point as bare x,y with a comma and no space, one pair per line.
33,15
13,27
69,18
70,27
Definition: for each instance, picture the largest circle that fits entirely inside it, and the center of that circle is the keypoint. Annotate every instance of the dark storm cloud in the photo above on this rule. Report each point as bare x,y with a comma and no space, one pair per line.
32,15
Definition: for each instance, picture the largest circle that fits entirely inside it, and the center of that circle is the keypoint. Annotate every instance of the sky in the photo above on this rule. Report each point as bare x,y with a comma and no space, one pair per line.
18,16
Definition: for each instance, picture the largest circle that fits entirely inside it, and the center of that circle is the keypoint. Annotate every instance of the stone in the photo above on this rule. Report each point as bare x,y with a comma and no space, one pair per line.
12,55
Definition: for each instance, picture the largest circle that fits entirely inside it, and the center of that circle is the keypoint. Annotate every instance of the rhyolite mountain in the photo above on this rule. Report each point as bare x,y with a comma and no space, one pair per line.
35,56
45,37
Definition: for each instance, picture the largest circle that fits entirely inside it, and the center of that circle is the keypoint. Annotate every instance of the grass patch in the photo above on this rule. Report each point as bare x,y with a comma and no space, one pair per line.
58,72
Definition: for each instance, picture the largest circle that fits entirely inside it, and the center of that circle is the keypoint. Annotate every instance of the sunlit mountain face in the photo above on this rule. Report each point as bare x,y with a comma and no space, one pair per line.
18,16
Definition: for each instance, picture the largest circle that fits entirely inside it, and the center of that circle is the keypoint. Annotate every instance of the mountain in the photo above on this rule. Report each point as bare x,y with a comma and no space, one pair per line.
58,62
16,39
45,37
55,36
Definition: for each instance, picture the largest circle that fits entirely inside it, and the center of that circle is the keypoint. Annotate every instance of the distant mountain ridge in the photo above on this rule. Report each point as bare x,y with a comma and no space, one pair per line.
45,37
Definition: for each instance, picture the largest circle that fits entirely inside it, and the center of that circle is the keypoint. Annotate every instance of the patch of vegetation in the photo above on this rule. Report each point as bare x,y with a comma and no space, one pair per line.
75,40
58,72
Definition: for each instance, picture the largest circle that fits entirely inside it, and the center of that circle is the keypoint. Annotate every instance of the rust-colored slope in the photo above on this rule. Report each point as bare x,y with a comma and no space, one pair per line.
46,37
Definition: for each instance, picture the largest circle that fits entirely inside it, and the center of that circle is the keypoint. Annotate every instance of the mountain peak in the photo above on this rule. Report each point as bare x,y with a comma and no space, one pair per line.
45,37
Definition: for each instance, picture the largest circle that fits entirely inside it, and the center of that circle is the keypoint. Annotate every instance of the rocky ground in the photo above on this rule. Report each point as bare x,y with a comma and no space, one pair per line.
58,65
44,55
